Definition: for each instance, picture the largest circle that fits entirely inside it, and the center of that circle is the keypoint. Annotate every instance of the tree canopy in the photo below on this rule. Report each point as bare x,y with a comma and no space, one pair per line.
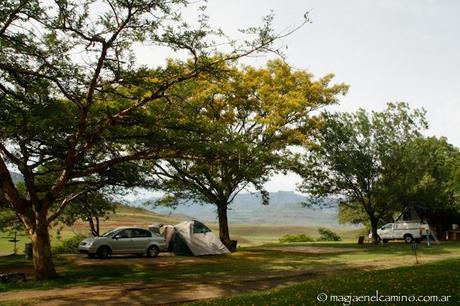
423,178
248,118
76,105
352,157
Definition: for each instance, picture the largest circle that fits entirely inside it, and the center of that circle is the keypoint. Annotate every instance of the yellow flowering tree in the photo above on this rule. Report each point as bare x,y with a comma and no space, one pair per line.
245,119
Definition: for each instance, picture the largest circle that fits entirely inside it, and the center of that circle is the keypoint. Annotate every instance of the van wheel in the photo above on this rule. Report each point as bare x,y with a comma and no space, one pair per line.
385,240
103,252
153,251
408,238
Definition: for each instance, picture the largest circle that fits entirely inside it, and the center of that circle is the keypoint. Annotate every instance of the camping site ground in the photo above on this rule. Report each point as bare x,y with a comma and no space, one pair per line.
265,272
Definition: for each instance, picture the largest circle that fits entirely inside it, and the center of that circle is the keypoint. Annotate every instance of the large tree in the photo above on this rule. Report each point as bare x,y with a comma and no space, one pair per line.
423,176
249,118
76,108
352,156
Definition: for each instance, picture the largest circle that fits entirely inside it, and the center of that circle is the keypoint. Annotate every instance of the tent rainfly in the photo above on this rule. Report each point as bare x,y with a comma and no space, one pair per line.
193,238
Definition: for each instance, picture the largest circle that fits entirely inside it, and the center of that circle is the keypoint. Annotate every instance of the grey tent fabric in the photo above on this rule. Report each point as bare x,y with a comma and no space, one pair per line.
198,238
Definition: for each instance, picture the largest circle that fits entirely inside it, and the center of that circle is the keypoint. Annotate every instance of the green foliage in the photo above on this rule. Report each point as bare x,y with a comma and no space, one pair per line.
353,156
423,176
91,207
69,246
352,215
328,235
79,111
244,121
9,221
296,238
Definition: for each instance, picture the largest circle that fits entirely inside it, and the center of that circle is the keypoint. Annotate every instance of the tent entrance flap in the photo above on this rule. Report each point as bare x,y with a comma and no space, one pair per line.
180,247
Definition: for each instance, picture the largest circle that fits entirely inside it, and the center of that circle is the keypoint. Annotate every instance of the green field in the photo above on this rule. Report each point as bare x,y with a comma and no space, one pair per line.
262,271
317,263
438,280
247,235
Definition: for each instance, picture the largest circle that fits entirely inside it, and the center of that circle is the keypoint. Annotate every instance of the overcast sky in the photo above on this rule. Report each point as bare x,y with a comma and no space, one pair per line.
385,50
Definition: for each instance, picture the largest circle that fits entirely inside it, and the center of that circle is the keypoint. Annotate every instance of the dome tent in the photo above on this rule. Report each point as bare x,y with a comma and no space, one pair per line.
193,238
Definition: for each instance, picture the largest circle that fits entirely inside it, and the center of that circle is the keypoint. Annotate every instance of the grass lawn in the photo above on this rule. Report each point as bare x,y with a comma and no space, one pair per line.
439,279
330,267
247,235
6,247
77,269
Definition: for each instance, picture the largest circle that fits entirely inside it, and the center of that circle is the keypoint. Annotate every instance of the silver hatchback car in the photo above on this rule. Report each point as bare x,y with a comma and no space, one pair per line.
124,240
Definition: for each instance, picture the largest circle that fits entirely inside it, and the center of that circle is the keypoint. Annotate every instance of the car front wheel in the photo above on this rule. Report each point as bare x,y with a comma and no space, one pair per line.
153,251
103,252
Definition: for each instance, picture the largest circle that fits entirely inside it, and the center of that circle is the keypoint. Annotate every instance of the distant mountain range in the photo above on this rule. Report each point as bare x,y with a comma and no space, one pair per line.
285,208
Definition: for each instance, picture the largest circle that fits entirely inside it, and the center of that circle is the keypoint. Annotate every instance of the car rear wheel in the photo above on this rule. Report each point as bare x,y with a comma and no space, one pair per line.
153,251
408,238
103,252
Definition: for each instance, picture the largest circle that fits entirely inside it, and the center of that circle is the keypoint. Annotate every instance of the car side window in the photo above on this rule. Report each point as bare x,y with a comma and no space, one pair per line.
140,233
200,228
127,233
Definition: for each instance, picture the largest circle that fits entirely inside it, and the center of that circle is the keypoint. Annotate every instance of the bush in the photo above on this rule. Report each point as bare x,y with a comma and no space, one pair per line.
296,238
69,246
328,235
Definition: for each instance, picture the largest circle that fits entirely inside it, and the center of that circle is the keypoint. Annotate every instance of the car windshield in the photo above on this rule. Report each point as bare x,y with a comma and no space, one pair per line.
109,233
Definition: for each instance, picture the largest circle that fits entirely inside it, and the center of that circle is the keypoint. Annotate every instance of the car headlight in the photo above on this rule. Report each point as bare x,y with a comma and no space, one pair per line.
86,243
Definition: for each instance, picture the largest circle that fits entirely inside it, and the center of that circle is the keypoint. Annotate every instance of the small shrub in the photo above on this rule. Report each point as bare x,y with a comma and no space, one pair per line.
69,246
296,238
328,235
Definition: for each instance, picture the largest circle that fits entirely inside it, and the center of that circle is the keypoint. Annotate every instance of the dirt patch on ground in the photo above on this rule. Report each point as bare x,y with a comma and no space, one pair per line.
164,260
166,292
187,290
311,249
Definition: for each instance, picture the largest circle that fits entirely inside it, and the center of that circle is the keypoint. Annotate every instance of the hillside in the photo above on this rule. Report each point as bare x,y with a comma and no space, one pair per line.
285,208
246,234
127,215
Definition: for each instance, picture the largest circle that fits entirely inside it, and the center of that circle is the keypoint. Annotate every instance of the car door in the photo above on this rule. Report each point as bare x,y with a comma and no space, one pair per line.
387,231
141,239
122,242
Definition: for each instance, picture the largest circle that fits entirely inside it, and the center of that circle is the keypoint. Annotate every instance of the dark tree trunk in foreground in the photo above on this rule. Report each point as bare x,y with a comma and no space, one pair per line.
94,226
224,233
374,227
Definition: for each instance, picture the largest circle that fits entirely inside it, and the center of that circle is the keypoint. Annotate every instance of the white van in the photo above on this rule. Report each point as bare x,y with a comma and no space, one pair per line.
404,230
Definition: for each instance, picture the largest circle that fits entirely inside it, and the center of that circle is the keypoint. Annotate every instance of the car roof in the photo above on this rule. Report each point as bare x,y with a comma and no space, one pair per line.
125,227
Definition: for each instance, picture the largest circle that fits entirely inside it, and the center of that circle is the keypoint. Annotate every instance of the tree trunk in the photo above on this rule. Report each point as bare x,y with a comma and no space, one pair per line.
97,226
94,229
224,233
375,236
41,246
